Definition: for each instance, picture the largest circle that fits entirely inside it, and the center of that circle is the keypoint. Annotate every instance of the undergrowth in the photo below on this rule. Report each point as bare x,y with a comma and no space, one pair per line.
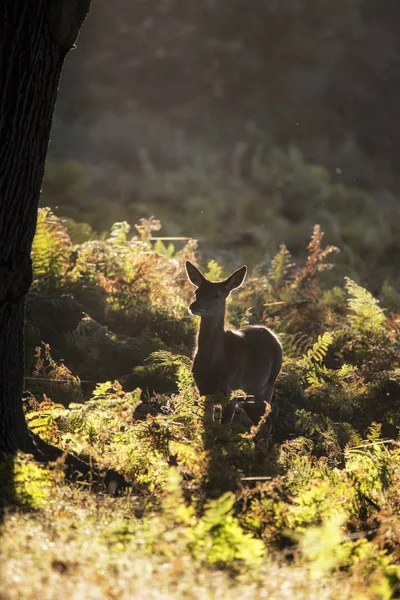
310,496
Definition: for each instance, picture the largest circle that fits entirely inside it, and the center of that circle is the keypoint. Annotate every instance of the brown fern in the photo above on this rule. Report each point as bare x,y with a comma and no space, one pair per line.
306,277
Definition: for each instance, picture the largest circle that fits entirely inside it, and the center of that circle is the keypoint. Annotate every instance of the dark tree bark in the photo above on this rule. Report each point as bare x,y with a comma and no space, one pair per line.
35,37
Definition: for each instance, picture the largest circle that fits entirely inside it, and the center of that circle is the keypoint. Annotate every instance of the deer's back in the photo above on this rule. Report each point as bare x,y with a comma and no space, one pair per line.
252,339
251,359
254,355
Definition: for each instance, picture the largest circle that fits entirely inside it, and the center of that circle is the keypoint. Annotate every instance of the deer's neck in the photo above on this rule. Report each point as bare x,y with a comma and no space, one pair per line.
210,340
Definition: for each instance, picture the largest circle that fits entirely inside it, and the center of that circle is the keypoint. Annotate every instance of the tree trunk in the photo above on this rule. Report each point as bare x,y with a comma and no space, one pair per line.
35,37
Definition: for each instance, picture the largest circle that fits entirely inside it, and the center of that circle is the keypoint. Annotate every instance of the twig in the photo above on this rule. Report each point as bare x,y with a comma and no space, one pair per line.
256,478
380,442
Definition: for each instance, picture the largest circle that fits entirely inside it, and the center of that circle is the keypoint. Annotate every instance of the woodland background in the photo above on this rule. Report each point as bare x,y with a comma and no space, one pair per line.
240,125
251,129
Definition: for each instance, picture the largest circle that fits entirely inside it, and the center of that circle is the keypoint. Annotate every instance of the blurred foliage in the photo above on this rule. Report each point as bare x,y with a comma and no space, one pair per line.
320,74
276,116
242,219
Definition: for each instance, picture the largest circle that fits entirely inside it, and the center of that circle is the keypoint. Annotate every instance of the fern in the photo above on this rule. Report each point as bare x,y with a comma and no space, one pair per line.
167,360
161,248
145,227
280,266
51,250
119,232
102,389
219,538
53,379
366,317
319,349
214,271
374,432
306,276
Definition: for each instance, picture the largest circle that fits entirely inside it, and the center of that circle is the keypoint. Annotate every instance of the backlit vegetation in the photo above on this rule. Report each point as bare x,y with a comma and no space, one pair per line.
306,505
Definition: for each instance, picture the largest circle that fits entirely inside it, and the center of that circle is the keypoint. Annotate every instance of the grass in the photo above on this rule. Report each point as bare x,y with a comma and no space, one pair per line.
76,547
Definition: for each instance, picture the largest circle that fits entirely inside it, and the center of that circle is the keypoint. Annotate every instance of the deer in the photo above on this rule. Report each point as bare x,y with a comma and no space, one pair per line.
225,360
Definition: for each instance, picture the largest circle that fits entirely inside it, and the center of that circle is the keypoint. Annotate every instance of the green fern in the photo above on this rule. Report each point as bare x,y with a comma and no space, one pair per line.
374,432
366,316
165,250
51,250
280,266
219,538
119,232
319,349
214,271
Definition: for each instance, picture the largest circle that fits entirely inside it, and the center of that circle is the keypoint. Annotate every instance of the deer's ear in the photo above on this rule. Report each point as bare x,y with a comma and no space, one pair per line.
195,276
236,279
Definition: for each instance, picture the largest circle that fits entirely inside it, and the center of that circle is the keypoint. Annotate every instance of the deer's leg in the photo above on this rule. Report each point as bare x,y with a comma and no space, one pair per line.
256,410
228,412
269,388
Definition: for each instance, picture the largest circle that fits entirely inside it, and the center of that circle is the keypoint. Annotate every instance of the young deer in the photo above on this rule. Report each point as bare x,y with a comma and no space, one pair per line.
226,360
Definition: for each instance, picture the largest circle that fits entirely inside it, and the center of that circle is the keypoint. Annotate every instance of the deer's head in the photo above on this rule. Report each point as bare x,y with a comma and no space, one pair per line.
211,296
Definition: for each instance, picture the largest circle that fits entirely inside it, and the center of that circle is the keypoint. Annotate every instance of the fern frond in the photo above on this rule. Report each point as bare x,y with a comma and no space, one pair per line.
119,232
374,432
145,228
315,261
214,271
319,349
280,266
50,250
366,316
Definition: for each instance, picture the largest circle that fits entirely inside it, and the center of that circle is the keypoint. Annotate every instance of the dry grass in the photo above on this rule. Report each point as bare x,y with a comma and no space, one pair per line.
66,550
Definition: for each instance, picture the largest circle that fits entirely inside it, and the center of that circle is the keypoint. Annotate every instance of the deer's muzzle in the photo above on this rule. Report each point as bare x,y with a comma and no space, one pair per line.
195,309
